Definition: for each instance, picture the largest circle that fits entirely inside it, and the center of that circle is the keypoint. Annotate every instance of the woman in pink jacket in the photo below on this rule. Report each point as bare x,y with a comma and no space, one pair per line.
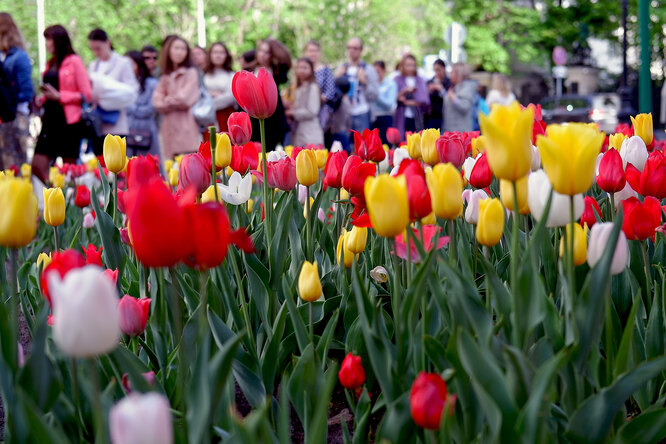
176,92
65,84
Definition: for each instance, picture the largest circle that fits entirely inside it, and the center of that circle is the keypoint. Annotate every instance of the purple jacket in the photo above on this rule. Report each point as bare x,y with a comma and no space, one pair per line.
421,95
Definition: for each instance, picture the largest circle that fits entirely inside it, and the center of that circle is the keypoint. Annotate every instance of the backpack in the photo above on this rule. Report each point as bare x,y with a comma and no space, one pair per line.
7,99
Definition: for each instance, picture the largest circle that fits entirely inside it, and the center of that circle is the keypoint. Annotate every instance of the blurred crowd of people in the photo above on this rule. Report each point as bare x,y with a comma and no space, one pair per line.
162,100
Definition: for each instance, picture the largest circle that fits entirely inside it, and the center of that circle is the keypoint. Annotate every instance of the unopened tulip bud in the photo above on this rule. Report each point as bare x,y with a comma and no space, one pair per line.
307,172
580,243
356,239
18,213
133,315
351,374
43,260
635,152
54,206
642,124
427,399
115,148
309,285
599,239
491,222
141,418
223,150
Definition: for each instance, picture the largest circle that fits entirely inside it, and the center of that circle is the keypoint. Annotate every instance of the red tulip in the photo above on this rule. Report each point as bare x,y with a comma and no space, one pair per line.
282,174
112,275
652,180
539,126
481,176
148,376
62,262
589,217
244,158
393,136
427,400
93,255
625,129
141,170
124,236
641,219
333,169
193,173
82,198
429,233
258,95
418,195
611,176
157,225
133,314
351,373
240,128
369,145
450,148
354,174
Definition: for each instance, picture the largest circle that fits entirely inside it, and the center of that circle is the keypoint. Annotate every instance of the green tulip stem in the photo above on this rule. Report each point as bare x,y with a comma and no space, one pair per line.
177,313
570,241
244,302
213,146
452,241
115,196
101,434
408,265
486,254
203,302
55,235
526,225
648,278
517,335
13,305
396,301
308,225
268,220
337,216
611,196
311,310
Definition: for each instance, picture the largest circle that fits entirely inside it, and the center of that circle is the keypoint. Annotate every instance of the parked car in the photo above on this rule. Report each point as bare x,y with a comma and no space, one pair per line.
601,108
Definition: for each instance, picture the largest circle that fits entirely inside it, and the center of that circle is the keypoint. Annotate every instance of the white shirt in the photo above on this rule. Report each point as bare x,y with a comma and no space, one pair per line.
494,96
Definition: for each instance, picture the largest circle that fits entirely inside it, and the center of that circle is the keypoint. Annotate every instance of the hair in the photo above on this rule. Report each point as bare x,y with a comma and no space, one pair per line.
280,57
483,91
143,72
439,62
380,63
250,59
98,35
148,48
228,61
402,63
501,83
62,44
360,40
10,36
312,76
312,43
462,69
166,65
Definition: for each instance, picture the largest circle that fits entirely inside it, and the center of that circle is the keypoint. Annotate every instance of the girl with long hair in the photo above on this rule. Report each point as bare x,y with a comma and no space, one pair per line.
218,75
305,108
142,115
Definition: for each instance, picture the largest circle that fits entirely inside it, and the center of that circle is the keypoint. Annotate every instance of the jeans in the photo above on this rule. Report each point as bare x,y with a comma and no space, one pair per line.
360,122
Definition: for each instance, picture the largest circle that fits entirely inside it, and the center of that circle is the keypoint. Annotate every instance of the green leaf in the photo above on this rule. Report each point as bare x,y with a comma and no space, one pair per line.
622,358
296,320
258,288
114,257
648,427
592,420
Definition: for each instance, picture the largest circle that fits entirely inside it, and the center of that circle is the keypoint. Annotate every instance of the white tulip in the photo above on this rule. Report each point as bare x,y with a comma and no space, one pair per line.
399,154
88,220
538,191
468,165
472,198
379,274
141,419
239,189
634,151
302,193
536,159
335,147
85,312
274,156
625,193
599,236
383,166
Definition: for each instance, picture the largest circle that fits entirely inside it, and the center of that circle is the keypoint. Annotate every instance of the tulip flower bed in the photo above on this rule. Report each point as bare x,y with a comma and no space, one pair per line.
506,286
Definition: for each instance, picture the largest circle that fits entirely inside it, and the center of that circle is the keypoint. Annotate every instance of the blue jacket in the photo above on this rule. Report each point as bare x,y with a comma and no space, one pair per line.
19,69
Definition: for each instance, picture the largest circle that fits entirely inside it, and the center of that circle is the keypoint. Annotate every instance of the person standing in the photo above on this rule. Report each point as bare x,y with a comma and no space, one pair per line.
175,94
437,87
384,106
273,56
413,98
64,83
218,75
114,86
149,54
363,84
17,91
500,91
459,100
305,107
325,80
142,116
199,57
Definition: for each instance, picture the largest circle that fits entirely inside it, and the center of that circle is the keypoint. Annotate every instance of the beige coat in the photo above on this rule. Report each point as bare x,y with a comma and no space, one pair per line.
305,111
174,96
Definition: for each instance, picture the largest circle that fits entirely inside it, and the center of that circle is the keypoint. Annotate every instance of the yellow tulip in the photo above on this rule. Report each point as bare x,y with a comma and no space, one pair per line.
173,177
53,172
580,243
356,239
222,150
344,194
506,193
43,260
115,149
9,173
430,219
491,222
615,140
309,285
414,145
26,170
209,195
250,205
54,206
446,187
2,176
305,209
289,149
386,199
508,140
306,168
569,156
642,124
428,146
322,157
58,181
168,164
91,165
18,213
178,158
229,171
343,251
478,145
